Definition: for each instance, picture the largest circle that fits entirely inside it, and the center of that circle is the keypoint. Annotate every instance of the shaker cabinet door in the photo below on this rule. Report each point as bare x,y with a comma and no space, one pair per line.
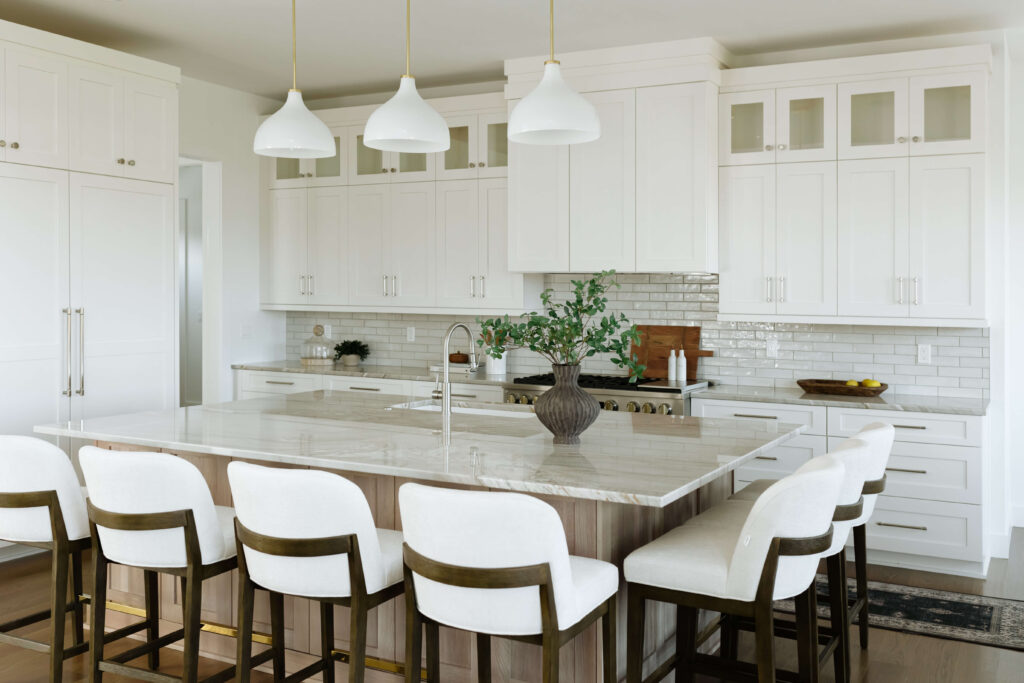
747,239
35,103
96,120
288,278
806,238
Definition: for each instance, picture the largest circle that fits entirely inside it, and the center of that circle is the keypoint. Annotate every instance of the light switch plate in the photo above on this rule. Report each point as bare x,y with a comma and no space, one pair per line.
924,354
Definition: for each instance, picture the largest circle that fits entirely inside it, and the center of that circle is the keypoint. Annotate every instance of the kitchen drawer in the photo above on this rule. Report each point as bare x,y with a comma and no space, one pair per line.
953,430
782,460
368,385
280,382
924,527
812,416
486,393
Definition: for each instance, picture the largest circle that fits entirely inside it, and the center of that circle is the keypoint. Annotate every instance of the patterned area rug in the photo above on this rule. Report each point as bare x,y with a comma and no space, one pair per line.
941,614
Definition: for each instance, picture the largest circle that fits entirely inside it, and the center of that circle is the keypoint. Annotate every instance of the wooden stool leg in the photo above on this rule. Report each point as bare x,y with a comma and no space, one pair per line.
243,646
58,606
152,617
807,634
686,642
413,639
635,617
98,617
78,612
327,640
277,633
860,557
433,650
608,643
730,635
550,658
483,658
357,638
840,624
192,613
764,641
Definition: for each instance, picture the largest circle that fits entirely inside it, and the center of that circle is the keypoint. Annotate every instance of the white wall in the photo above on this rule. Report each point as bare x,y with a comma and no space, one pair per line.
218,124
1014,437
190,283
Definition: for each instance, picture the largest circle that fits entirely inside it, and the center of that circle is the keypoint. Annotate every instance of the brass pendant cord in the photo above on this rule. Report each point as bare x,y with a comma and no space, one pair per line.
551,30
408,37
294,80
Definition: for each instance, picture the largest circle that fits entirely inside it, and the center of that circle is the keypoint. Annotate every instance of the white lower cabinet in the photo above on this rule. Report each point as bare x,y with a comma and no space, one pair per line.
261,383
368,385
781,460
256,384
928,528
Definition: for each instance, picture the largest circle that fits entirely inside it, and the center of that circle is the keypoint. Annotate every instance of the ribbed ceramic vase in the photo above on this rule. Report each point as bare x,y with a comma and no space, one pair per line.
565,409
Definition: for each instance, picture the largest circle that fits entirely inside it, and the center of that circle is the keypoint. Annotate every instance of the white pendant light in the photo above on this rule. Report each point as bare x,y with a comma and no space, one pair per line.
406,123
293,131
554,113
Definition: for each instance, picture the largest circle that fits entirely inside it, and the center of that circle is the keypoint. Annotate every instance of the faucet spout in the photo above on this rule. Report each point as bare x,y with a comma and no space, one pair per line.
446,386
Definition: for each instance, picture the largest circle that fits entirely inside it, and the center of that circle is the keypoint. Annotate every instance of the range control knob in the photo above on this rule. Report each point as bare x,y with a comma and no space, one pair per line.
632,407
524,400
511,398
647,408
610,405
664,409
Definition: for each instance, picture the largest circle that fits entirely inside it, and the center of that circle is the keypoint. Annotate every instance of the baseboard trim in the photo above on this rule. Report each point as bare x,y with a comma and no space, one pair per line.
16,552
999,544
939,565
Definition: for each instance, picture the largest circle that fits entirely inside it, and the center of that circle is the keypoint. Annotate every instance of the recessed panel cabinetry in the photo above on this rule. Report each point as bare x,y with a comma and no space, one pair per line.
34,109
784,125
479,147
332,170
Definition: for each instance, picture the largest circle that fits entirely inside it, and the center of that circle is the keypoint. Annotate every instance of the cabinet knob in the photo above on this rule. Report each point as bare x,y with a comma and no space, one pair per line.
15,145
482,164
3,143
781,147
393,171
916,138
901,139
472,165
121,162
383,170
767,148
131,162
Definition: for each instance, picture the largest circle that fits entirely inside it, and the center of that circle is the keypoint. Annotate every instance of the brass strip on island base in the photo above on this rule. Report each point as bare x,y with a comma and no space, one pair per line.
386,665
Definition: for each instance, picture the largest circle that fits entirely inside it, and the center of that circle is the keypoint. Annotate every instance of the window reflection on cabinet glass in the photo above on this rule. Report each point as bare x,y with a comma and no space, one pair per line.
497,144
369,161
330,167
457,156
287,169
747,127
409,162
807,123
873,119
947,113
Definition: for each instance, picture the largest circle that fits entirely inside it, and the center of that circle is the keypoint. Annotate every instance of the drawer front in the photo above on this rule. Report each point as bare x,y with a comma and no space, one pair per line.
954,430
486,393
782,460
812,416
950,474
368,385
280,382
922,527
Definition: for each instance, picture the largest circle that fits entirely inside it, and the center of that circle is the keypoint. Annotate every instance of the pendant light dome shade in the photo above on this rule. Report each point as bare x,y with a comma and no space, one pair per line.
406,123
294,132
553,114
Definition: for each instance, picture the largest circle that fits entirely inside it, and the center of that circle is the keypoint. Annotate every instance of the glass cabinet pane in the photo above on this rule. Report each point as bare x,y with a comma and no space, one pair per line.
747,127
873,119
457,156
807,123
287,169
369,161
409,162
330,167
947,113
497,145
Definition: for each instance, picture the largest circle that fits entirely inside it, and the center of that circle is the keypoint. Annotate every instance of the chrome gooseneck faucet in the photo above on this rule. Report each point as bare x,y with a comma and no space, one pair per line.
446,386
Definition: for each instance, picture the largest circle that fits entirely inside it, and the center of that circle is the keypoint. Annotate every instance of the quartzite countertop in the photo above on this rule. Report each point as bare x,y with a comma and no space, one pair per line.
650,460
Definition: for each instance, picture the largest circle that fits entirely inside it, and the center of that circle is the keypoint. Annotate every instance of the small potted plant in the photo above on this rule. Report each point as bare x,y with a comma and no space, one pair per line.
351,351
565,334
496,365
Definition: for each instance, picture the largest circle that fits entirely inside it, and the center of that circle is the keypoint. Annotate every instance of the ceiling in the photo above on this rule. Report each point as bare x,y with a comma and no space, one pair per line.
348,47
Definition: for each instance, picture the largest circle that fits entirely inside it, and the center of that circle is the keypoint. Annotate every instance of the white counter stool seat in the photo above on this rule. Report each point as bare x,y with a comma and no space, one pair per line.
736,559
42,505
310,534
497,564
154,511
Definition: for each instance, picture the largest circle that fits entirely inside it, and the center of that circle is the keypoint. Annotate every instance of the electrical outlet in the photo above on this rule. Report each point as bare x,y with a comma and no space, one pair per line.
924,354
771,348
410,334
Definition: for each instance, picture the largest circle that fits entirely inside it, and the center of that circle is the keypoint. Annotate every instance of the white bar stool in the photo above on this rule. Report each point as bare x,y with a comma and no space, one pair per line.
497,564
736,559
310,534
154,511
42,505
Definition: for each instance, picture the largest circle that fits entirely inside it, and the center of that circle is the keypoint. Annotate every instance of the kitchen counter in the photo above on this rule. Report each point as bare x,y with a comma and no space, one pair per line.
416,374
887,401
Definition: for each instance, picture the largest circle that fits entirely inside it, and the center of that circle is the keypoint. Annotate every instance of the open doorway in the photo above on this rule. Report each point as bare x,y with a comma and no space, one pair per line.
190,281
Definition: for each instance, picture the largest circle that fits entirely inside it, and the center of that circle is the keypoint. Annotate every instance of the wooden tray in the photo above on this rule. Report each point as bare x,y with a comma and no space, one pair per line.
838,387
657,340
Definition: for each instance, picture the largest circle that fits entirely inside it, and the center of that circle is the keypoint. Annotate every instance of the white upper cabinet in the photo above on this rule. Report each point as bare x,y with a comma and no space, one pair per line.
367,166
327,249
123,124
479,147
947,113
411,243
747,239
805,226
873,119
288,281
602,175
746,128
368,240
34,120
538,208
805,123
324,172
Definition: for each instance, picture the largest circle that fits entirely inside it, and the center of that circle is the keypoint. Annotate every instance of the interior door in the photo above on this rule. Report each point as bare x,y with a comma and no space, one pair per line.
602,187
151,129
122,291
498,287
947,236
873,234
34,372
806,238
873,119
460,239
368,236
747,239
96,120
412,244
36,108
288,276
328,246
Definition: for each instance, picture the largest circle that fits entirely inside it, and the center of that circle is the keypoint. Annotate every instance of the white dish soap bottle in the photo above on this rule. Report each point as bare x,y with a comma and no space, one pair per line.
672,365
681,366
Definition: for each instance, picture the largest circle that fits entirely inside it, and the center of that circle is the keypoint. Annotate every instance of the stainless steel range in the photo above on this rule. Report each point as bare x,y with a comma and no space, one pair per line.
615,392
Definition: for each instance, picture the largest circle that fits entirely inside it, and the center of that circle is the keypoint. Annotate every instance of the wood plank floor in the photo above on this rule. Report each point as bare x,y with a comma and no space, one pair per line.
892,657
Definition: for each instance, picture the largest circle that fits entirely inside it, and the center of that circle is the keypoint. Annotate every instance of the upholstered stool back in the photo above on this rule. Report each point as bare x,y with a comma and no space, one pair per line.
136,483
879,437
29,464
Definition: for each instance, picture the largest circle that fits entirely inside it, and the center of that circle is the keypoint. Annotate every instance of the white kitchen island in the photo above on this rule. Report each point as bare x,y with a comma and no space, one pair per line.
633,477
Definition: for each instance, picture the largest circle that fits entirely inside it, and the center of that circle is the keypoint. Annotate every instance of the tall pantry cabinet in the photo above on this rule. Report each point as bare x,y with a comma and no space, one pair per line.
87,262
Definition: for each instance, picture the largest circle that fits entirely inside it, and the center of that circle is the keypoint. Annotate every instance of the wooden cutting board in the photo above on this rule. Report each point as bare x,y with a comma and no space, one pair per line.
657,340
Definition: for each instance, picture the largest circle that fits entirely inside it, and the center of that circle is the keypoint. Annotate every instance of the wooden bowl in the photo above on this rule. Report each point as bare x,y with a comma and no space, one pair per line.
458,357
838,387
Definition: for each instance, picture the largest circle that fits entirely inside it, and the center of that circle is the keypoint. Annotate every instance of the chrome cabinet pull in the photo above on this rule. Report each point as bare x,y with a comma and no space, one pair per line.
765,457
302,285
463,395
917,291
768,289
364,389
81,351
274,381
394,285
472,285
483,284
759,417
921,427
385,285
899,289
912,527
782,288
67,321
902,469
312,287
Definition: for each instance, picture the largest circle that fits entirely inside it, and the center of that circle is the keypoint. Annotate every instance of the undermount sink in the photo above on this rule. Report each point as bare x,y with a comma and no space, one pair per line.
432,407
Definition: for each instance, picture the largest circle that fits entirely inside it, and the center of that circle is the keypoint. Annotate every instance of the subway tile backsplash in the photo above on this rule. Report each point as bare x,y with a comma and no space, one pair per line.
959,367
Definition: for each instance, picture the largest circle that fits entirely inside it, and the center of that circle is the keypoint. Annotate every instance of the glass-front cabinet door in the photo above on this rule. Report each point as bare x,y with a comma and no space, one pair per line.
493,145
365,164
873,119
407,167
805,123
746,128
459,161
947,114
286,173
